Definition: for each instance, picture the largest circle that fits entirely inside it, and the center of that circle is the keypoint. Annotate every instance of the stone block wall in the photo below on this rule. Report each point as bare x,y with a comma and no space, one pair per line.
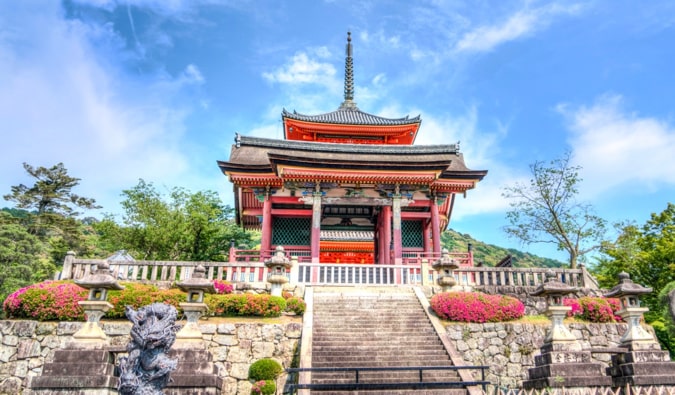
26,345
509,348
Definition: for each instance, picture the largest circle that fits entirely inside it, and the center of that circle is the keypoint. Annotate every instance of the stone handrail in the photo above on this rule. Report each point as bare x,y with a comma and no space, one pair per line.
323,273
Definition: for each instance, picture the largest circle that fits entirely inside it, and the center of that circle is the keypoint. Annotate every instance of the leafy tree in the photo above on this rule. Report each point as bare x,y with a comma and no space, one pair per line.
23,257
182,226
546,211
50,207
647,253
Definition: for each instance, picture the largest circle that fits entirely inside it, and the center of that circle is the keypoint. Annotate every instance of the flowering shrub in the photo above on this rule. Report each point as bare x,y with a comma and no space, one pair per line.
296,305
222,287
594,309
576,307
264,387
476,307
47,301
246,305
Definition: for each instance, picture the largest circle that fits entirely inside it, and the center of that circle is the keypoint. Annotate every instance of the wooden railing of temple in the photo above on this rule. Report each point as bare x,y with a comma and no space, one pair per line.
250,271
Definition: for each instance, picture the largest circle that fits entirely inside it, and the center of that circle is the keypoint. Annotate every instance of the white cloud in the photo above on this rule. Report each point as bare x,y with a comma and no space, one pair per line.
617,148
64,99
520,24
302,69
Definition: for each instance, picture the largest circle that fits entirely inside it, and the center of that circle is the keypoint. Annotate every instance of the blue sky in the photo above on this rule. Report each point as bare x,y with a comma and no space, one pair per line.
156,89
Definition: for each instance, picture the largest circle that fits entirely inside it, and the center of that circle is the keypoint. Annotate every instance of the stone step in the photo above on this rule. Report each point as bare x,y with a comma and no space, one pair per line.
448,391
379,377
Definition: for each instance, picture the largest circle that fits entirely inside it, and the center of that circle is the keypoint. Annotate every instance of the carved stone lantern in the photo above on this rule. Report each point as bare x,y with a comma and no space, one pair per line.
445,267
98,282
636,337
194,306
278,269
554,290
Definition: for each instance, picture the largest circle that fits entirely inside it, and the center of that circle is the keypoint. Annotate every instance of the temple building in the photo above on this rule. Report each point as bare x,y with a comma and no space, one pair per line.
347,186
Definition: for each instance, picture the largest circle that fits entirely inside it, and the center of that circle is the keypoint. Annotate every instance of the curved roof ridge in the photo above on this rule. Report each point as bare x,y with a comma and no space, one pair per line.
350,116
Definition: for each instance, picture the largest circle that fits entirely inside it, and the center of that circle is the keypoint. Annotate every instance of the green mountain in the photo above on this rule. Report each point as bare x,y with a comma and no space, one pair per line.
490,254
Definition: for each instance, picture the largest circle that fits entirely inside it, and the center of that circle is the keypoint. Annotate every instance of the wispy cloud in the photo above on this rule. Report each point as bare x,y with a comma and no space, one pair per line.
63,101
617,148
520,24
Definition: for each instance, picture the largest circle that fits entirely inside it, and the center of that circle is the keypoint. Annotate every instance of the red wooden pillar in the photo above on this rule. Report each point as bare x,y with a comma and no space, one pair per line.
396,228
435,226
386,230
426,234
316,226
266,237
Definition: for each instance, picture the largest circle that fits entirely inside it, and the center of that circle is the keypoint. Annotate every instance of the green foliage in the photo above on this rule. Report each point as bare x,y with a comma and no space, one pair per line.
47,301
264,369
545,210
181,226
24,259
489,254
138,295
245,305
296,305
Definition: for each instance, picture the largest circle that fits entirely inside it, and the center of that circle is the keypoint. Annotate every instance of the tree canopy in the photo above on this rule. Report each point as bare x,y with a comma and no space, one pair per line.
180,226
545,210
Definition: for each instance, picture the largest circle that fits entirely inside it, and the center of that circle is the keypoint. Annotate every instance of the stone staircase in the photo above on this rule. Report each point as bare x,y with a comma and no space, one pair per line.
374,328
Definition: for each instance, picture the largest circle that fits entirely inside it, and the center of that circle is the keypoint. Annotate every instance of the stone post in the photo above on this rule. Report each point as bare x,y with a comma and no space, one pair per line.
194,306
67,270
295,270
424,272
98,283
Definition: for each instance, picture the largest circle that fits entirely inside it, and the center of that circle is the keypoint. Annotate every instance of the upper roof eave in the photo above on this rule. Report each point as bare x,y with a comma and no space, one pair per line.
351,116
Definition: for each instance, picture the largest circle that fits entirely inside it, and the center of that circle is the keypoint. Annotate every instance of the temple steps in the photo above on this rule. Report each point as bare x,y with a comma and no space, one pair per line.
375,328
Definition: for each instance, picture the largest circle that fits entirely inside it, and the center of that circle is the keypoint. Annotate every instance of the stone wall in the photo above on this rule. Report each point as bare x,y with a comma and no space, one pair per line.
26,345
509,348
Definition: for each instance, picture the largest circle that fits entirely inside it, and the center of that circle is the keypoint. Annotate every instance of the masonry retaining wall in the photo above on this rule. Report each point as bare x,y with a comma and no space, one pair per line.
509,348
26,345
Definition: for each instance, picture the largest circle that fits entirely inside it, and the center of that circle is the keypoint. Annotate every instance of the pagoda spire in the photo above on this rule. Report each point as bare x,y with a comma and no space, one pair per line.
349,77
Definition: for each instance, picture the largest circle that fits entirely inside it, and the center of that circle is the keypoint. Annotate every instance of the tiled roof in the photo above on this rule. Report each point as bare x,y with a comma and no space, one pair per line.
341,235
350,116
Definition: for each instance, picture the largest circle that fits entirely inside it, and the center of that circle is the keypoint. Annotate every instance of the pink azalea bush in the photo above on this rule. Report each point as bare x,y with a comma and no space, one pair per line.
296,305
476,307
594,309
222,287
47,301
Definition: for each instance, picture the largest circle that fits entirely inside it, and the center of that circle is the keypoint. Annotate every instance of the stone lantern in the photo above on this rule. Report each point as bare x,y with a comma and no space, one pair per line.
445,267
194,306
554,291
278,268
98,282
562,362
636,337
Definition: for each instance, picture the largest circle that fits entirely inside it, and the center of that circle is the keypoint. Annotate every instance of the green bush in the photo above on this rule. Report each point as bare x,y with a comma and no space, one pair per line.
296,305
245,305
264,387
135,295
264,369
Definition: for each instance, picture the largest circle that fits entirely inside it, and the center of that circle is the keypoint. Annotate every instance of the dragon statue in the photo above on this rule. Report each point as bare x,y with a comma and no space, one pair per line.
147,368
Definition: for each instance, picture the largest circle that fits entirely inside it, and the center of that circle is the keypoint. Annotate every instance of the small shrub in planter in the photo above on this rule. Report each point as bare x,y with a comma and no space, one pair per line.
264,369
296,305
476,307
264,387
245,305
